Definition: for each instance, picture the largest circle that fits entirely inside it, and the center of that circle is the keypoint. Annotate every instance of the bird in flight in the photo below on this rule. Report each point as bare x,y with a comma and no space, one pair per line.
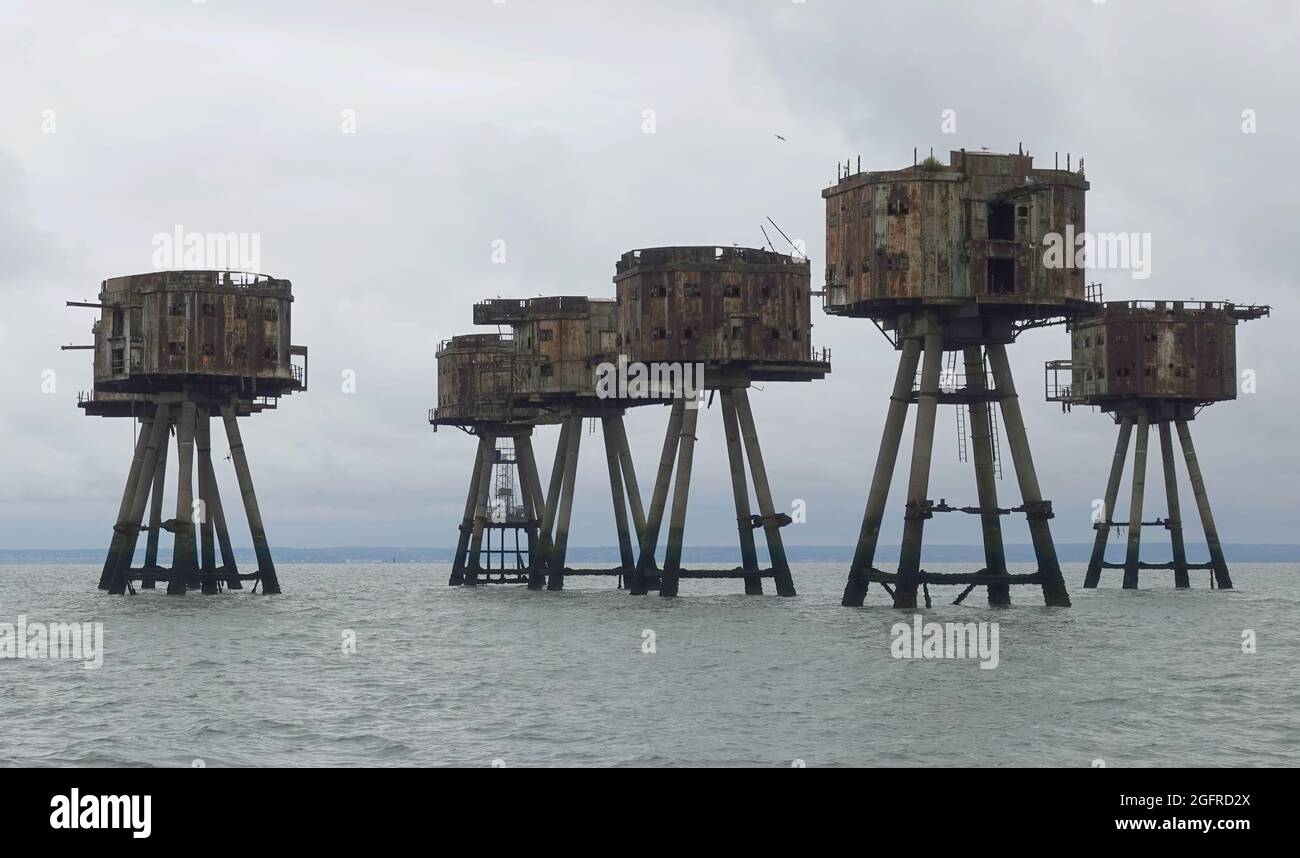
779,137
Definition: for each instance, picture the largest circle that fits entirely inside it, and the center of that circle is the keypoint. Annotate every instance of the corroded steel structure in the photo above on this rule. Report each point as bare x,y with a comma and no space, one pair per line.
476,383
562,344
718,319
476,376
947,259
1144,363
740,311
558,343
967,236
172,349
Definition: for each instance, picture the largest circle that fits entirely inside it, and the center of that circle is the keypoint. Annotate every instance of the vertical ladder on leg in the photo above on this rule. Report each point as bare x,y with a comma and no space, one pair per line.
963,455
961,435
994,433
997,447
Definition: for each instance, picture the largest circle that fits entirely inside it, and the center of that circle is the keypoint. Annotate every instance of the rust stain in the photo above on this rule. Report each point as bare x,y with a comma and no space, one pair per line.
713,305
1177,350
970,231
158,329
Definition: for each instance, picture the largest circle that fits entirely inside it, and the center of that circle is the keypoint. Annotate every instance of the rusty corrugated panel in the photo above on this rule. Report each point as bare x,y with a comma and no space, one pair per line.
924,236
475,378
713,305
1157,350
228,327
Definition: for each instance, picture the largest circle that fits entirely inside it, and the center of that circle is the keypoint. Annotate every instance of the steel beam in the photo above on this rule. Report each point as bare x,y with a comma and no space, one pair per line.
681,495
918,484
640,584
740,495
119,577
185,548
1093,575
1217,562
864,555
124,508
555,580
207,543
629,476
530,484
1175,519
610,434
265,565
457,576
763,493
474,563
1135,503
155,512
541,563
981,429
1037,513
218,516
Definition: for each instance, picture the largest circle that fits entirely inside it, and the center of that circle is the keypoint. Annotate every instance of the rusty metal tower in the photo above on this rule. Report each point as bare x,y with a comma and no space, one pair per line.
476,377
561,344
950,258
1144,363
172,349
722,318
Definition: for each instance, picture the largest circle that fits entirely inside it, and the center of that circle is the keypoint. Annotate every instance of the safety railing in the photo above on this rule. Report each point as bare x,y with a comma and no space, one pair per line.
1063,381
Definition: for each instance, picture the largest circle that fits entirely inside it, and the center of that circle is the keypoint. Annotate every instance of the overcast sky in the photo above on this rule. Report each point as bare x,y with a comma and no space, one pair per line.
525,121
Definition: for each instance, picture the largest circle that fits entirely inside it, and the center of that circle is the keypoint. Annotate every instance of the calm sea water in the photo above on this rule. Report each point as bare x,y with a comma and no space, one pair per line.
457,676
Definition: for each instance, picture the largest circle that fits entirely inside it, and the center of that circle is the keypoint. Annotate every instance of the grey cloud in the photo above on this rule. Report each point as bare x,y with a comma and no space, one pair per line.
521,121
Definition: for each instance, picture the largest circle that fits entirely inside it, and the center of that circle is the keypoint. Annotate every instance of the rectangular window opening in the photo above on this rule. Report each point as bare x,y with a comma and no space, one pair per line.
1002,222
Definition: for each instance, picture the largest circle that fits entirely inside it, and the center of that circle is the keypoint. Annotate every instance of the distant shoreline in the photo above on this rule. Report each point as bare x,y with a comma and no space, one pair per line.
1015,553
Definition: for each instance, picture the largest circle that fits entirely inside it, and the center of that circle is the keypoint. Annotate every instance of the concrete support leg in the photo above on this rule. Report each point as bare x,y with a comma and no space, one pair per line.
864,556
1093,575
626,559
265,565
124,508
918,484
645,563
218,515
474,563
119,577
207,542
681,495
1175,519
555,580
763,492
981,429
1037,512
155,511
1135,504
1221,578
545,541
531,485
457,576
629,476
740,494
185,557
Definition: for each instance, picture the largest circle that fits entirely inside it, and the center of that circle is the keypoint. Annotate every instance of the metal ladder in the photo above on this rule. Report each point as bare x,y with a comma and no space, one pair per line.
962,455
955,381
964,431
994,432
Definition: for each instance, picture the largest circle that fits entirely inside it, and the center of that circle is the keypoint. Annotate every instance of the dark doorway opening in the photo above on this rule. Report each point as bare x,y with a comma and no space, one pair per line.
1002,222
1002,276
